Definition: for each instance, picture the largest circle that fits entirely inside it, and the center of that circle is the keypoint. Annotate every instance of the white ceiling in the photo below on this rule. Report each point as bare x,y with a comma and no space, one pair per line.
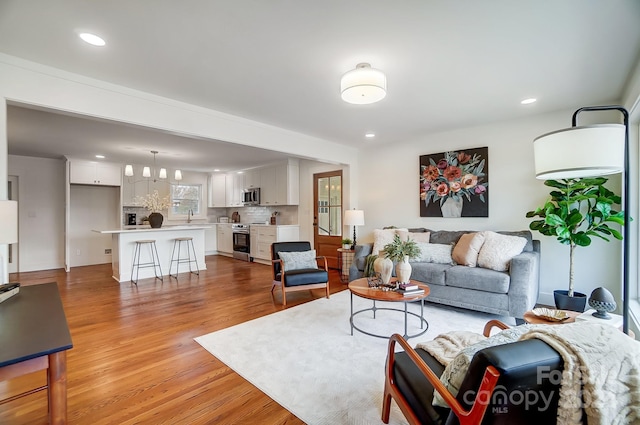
449,64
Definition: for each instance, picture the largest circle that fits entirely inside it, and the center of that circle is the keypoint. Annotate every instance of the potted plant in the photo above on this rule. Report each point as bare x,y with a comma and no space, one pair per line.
577,210
401,251
154,204
346,243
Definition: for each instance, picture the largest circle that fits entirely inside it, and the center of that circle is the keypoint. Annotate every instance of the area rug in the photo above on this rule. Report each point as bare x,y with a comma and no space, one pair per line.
305,358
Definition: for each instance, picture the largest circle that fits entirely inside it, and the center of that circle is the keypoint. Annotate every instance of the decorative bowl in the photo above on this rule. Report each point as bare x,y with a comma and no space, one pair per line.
550,314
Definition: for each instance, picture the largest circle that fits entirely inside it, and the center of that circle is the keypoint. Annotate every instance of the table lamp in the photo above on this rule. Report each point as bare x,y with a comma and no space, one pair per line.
591,151
8,229
354,218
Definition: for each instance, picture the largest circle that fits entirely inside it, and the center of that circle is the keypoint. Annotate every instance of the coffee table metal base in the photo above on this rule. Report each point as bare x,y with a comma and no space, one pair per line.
424,325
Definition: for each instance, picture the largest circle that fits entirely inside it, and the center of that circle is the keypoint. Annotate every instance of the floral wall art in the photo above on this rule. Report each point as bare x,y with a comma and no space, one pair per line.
455,184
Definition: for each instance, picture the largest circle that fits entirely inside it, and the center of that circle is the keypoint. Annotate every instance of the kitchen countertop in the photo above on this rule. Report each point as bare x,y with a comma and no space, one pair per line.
146,228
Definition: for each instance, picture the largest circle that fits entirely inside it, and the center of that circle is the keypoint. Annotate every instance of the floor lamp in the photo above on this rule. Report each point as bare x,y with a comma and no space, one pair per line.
590,151
354,218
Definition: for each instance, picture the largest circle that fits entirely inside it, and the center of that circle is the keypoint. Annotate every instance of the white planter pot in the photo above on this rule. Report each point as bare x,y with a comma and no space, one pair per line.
403,270
384,266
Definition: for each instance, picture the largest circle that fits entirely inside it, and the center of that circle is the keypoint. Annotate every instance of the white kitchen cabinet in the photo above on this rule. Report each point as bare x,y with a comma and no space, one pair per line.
234,185
280,184
268,191
217,191
253,240
252,179
211,240
265,235
95,173
225,238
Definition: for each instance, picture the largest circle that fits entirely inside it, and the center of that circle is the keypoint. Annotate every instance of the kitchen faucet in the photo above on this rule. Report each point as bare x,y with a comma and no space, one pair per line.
189,215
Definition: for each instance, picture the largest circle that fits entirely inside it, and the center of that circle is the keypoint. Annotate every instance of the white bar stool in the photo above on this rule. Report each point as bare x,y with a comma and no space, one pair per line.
155,259
177,243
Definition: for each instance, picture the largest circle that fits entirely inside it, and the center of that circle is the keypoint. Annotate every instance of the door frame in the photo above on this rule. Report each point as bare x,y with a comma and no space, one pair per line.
320,242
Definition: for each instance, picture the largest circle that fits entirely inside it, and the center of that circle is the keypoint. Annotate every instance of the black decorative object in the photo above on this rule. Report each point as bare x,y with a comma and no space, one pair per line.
603,302
564,302
155,220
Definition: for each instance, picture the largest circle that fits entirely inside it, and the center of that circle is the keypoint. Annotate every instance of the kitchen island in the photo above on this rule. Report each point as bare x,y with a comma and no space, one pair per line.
123,246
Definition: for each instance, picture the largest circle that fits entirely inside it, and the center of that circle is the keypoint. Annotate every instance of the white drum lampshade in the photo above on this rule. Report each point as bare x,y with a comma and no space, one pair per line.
586,151
363,85
354,218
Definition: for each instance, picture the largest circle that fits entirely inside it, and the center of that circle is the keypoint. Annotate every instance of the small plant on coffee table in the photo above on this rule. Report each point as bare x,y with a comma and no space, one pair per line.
398,249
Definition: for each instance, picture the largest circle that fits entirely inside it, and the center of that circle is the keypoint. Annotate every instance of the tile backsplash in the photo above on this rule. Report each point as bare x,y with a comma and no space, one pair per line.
288,214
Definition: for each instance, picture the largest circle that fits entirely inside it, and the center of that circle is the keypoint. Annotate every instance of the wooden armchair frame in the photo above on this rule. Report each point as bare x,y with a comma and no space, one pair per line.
472,416
286,289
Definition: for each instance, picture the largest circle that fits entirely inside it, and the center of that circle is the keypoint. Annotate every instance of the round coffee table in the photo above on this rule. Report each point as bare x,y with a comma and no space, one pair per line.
360,287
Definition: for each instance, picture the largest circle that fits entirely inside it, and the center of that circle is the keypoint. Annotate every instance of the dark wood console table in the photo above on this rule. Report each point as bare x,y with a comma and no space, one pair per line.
34,336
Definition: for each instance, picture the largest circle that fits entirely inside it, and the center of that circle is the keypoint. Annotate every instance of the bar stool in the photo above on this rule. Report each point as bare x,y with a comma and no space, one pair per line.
155,260
177,242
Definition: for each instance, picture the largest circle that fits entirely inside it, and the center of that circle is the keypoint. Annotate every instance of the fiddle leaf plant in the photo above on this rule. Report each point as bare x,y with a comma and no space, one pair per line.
398,249
578,209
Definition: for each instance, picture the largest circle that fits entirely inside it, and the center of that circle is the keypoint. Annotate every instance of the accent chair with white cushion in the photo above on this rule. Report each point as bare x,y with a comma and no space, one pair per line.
295,268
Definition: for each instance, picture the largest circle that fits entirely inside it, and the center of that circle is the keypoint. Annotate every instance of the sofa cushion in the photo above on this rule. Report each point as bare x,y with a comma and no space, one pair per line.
523,234
467,249
434,253
382,237
429,273
416,237
485,280
498,250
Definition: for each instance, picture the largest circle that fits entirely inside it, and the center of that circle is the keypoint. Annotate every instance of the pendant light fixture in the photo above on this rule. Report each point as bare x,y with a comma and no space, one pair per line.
148,173
363,85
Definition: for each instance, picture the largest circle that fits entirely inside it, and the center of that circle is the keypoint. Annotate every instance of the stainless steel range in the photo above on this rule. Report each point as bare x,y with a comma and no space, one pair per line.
241,241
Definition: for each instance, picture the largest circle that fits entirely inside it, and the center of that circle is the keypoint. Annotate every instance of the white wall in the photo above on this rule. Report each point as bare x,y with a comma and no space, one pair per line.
41,188
92,207
389,195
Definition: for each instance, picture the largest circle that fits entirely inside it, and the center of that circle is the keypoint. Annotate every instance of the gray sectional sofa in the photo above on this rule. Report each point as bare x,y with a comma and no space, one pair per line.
509,293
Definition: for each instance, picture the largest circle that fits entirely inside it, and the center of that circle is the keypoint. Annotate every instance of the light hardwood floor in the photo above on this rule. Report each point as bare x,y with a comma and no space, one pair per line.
134,360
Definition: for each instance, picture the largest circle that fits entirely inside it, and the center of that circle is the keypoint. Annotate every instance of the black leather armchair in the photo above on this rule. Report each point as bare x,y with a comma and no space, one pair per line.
297,280
517,383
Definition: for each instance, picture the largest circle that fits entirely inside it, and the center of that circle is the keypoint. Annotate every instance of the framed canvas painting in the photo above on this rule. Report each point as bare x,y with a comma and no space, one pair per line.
455,184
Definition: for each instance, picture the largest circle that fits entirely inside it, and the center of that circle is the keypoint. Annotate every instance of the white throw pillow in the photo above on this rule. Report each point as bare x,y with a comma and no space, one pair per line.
498,250
455,371
434,253
298,260
382,237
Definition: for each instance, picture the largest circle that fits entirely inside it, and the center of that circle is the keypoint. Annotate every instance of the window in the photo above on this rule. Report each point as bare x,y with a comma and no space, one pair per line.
185,197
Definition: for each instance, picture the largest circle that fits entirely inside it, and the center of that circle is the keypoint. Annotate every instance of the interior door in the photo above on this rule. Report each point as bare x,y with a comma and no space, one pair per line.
12,194
327,219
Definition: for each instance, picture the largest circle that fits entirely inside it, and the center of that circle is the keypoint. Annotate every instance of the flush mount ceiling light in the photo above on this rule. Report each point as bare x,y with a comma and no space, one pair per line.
363,85
147,171
92,39
370,135
529,101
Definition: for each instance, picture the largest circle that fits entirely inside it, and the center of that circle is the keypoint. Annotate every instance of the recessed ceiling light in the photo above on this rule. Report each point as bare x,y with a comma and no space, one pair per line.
100,156
216,169
528,101
92,39
370,135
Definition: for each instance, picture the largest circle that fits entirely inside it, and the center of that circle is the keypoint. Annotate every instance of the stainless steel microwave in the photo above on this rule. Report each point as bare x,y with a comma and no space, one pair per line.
251,196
